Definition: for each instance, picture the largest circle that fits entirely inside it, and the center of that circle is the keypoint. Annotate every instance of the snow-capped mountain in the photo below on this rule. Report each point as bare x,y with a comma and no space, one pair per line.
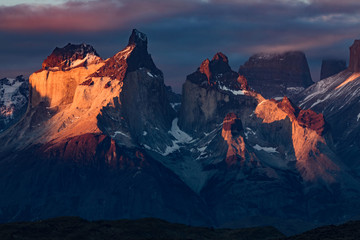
101,140
338,98
14,96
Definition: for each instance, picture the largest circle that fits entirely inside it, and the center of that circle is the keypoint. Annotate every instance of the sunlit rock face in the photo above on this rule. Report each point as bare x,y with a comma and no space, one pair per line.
122,96
277,75
337,98
14,94
330,67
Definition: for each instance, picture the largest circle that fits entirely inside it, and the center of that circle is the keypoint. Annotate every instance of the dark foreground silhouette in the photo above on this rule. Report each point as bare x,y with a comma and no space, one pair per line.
66,228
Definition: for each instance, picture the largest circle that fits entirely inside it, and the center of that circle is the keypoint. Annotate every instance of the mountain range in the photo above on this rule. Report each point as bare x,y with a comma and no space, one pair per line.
106,139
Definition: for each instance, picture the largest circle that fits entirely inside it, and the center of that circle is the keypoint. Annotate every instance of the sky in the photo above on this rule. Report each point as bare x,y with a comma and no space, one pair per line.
181,33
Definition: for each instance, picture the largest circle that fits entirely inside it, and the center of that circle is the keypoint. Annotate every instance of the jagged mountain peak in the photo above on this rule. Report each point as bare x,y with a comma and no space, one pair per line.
354,63
133,57
138,38
220,57
70,56
218,73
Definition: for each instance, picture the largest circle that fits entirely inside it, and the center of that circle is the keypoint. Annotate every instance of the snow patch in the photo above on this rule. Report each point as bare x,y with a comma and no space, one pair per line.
295,90
119,133
358,117
180,136
278,98
89,58
266,149
174,105
249,131
145,133
235,92
202,149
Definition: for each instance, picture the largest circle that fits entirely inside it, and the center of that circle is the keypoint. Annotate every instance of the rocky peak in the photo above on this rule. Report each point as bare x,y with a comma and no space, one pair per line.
277,75
330,67
215,73
220,57
133,57
354,63
138,38
70,56
205,68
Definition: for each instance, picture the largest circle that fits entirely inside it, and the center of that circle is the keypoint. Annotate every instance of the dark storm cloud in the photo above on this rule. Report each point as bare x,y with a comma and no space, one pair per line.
182,32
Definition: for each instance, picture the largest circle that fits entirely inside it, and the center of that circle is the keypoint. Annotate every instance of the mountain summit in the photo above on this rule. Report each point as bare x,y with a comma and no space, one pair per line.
70,56
133,57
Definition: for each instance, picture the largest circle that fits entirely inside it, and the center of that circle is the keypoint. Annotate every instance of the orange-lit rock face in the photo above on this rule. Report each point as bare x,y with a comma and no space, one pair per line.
307,137
353,77
205,69
93,149
115,67
243,82
232,133
77,99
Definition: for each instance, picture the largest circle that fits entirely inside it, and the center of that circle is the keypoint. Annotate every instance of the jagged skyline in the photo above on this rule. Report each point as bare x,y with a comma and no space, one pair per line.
182,33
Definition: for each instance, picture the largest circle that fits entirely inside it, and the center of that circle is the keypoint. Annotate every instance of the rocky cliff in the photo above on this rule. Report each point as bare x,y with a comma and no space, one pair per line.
277,75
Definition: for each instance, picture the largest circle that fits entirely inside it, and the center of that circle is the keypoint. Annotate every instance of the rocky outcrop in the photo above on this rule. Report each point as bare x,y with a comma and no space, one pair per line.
14,95
330,67
354,62
71,56
210,93
277,75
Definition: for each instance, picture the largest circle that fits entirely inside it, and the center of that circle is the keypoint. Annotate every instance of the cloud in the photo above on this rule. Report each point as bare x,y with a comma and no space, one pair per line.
182,33
97,15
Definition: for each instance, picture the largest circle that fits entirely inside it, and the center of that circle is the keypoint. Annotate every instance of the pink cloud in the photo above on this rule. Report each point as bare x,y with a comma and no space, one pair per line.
86,16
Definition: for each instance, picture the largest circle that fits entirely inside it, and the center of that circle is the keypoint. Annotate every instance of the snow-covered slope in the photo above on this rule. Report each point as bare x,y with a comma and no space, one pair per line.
338,98
14,94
